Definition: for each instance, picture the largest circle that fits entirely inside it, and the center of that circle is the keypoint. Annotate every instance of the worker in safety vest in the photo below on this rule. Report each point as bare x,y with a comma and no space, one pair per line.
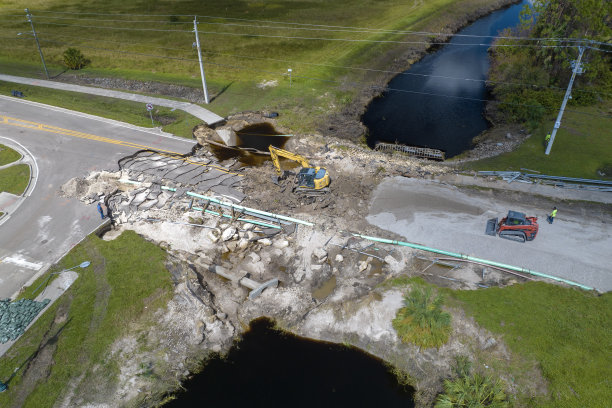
547,140
552,215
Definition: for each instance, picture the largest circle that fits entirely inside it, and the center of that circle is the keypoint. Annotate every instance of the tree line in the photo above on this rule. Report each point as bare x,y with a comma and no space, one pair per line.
545,64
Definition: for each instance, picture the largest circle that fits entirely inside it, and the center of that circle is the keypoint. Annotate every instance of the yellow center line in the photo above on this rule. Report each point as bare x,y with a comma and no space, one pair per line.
54,129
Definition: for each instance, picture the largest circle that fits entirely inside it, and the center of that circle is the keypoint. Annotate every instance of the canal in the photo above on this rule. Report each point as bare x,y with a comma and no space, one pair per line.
438,102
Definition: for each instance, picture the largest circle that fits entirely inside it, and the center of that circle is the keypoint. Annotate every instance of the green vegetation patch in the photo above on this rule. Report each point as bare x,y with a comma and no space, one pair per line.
582,147
70,344
568,331
14,179
246,62
8,155
176,121
421,321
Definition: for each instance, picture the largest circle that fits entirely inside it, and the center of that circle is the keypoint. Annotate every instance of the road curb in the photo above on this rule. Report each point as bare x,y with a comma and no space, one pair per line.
33,175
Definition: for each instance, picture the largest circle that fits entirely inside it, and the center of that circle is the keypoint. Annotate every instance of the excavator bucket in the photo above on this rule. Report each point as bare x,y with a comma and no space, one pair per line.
491,226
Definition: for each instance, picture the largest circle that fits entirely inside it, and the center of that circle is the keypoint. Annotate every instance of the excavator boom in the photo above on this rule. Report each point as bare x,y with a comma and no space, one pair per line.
275,152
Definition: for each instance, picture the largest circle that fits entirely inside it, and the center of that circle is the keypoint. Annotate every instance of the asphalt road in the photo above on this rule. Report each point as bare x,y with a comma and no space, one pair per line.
438,215
68,144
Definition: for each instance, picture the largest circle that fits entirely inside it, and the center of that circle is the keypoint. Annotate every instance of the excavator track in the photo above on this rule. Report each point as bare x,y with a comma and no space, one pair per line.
518,236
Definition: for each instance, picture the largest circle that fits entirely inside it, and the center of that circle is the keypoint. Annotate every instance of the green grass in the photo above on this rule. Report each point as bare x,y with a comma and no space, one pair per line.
234,63
179,122
14,179
568,331
8,155
421,321
582,146
125,283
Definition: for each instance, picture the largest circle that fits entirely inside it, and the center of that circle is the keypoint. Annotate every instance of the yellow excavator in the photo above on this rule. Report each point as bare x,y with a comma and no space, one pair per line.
309,179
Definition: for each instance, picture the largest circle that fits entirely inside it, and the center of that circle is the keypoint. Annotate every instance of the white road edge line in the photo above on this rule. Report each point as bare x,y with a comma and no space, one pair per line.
30,187
99,118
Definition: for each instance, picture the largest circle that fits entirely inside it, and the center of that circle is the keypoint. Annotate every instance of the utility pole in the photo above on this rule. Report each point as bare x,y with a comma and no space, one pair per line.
577,69
29,17
195,30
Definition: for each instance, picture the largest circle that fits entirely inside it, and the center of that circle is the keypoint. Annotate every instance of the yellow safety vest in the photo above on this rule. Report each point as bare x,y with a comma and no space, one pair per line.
553,214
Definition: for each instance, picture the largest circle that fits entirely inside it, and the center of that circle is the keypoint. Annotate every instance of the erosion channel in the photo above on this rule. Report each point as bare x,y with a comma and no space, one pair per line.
439,102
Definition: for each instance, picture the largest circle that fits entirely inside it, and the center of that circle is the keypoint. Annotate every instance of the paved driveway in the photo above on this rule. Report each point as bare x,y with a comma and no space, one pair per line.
67,144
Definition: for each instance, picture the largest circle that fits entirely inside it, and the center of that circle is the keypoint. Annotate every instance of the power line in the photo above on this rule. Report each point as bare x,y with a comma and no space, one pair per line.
312,38
345,29
114,28
147,44
382,88
332,66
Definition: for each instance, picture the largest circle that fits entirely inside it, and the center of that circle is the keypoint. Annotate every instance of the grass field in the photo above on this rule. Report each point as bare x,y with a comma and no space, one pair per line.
14,179
8,155
582,147
254,42
568,331
125,283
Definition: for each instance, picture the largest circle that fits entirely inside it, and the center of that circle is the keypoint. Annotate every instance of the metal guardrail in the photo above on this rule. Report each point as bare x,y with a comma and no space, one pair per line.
423,152
557,181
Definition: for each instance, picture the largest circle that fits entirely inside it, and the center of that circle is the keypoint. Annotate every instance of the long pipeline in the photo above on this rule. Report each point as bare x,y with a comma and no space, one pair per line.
239,207
471,258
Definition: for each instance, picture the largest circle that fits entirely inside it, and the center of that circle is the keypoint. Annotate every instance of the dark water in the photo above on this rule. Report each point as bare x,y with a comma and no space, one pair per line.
438,122
273,369
252,137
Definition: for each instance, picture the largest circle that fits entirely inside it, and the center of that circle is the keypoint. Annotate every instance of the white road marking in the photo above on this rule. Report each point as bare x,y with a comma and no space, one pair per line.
19,261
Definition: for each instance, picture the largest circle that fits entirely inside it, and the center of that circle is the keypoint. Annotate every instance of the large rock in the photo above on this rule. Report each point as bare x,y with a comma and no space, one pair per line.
228,234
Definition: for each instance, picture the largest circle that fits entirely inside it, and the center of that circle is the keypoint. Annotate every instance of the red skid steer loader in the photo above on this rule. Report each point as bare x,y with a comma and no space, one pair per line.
515,226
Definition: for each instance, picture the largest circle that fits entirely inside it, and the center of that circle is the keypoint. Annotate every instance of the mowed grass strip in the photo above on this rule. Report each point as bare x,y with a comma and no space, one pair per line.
8,155
125,283
174,121
582,147
14,179
568,331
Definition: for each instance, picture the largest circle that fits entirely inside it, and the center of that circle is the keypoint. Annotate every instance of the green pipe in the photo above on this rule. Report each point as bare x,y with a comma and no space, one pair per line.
239,207
263,224
168,188
471,258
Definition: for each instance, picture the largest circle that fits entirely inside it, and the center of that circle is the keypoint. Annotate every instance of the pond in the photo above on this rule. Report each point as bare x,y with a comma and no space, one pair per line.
439,100
271,368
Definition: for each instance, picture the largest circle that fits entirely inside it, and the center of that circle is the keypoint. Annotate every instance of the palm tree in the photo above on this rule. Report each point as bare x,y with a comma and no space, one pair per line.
421,320
475,391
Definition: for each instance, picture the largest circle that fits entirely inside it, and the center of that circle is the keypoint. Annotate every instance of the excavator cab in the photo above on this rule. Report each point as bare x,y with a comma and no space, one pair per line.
313,177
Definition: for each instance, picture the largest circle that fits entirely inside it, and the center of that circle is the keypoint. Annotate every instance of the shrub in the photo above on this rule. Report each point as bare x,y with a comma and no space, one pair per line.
74,59
473,391
422,320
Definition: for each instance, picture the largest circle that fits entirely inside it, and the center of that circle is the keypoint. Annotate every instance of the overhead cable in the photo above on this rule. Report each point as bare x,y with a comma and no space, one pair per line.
314,25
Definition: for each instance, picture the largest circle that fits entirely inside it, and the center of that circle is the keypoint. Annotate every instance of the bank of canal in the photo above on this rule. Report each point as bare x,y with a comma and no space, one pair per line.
439,102
271,368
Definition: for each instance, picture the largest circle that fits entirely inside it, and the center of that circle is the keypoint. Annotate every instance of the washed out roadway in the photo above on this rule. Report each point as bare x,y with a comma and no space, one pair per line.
441,216
65,145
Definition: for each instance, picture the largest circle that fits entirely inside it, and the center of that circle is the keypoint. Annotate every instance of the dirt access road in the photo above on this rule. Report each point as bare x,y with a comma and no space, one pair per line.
575,247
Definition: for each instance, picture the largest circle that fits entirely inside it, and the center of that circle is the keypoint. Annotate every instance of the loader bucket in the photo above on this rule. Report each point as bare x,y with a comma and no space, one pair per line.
491,226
